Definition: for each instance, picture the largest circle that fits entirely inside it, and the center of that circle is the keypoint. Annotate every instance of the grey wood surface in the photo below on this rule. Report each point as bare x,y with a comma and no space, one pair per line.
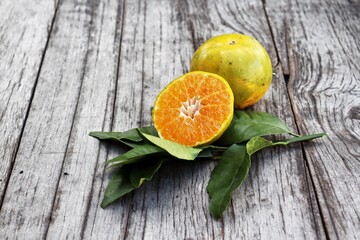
71,67
24,32
324,88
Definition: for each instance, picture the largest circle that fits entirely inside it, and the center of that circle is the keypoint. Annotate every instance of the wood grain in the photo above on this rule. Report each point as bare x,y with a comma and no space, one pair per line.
277,189
151,56
99,65
175,203
71,98
324,88
126,115
84,155
24,30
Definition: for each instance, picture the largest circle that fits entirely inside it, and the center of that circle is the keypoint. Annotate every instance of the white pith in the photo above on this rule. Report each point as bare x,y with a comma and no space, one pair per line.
191,107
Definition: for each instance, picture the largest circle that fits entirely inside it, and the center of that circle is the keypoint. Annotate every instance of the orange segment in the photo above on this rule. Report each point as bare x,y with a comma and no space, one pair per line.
177,90
170,101
194,109
216,98
215,112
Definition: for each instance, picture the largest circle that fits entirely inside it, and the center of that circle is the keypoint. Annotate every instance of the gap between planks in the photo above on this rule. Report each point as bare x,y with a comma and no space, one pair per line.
288,77
72,124
57,4
113,114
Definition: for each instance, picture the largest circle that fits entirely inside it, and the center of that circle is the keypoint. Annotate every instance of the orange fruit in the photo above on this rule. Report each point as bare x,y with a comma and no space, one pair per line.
241,60
194,109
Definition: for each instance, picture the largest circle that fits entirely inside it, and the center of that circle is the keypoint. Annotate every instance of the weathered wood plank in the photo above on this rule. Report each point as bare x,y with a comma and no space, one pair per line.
152,54
24,30
94,113
126,115
70,99
139,46
276,200
324,87
279,18
50,193
276,179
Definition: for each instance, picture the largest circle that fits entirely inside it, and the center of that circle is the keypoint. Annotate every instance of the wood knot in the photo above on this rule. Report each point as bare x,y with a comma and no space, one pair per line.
354,113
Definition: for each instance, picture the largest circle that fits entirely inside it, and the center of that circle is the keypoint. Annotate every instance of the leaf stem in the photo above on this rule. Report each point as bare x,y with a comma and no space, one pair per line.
294,134
300,138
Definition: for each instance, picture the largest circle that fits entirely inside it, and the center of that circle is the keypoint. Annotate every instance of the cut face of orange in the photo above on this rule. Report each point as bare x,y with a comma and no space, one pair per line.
194,109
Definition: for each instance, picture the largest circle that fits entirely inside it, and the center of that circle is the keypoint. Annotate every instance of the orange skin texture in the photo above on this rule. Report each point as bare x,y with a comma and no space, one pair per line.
241,60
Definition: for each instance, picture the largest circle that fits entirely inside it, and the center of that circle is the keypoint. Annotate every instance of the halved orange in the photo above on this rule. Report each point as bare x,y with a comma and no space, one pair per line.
194,109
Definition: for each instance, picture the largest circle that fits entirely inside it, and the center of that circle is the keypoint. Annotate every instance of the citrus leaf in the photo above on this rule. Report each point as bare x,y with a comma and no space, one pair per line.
246,125
131,135
209,151
136,154
128,178
118,186
144,171
175,149
257,143
205,153
229,173
150,130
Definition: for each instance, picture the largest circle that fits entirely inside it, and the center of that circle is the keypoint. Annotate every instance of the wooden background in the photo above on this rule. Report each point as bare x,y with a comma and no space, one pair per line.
70,67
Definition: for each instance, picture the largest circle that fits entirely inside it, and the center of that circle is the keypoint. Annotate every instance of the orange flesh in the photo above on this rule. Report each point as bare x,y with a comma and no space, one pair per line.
194,109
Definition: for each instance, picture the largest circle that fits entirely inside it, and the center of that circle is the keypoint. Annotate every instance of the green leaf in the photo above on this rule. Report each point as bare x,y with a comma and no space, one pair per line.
209,151
130,137
150,130
128,178
177,150
118,186
135,155
205,153
246,125
230,172
144,171
257,143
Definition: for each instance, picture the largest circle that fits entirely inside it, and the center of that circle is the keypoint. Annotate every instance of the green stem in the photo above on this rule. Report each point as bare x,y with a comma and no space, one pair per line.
299,139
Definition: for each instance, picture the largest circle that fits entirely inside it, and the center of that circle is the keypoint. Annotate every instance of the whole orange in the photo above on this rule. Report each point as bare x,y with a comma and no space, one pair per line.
241,60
